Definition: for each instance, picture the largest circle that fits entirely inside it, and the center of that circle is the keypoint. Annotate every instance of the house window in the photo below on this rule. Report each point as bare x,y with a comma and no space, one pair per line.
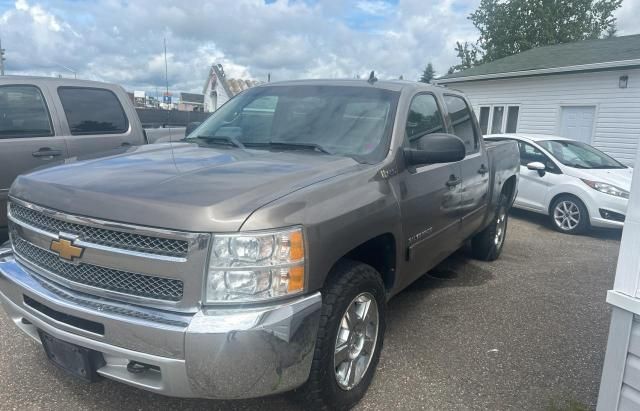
484,119
512,119
496,123
494,120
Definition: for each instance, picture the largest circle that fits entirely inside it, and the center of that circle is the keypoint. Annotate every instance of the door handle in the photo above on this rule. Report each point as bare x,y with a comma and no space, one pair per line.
453,181
483,170
46,152
125,144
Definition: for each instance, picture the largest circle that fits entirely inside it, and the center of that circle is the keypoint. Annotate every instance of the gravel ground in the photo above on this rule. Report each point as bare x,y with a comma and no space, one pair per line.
519,333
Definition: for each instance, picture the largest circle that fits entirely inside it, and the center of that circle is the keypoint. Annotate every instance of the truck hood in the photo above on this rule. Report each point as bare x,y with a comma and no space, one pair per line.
619,177
177,186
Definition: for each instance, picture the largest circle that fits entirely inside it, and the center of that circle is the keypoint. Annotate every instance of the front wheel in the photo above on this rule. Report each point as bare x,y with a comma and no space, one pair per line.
569,215
487,244
350,336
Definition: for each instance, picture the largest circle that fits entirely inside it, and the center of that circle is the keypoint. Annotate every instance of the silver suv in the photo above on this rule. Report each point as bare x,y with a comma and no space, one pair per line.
46,120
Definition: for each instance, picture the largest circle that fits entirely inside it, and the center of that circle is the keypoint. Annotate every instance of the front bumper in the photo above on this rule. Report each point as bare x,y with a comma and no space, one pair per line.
597,201
222,353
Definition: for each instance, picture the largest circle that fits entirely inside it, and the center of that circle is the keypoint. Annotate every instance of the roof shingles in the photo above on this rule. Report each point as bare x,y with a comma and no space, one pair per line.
560,55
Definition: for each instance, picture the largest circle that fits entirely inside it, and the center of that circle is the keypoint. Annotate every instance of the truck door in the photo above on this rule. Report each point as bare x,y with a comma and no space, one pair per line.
96,121
474,196
27,136
429,195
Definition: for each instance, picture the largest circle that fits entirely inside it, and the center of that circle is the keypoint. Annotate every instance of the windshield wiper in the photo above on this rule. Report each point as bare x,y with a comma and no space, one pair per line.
221,140
299,145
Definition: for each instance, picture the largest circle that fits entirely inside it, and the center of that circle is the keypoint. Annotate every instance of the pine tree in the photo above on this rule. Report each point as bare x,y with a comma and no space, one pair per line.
428,74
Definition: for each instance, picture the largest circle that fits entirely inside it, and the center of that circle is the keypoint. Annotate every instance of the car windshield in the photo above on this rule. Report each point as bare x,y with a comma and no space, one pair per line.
579,155
348,121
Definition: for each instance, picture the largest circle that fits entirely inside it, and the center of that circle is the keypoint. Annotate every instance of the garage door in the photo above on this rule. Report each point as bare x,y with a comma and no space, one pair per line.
577,122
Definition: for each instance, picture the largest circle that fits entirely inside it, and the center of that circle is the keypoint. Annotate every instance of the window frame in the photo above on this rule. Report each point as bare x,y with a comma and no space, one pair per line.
503,125
406,140
46,109
477,132
95,133
549,158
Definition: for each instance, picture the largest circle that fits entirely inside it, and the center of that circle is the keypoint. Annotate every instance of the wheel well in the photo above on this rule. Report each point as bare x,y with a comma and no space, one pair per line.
380,253
509,188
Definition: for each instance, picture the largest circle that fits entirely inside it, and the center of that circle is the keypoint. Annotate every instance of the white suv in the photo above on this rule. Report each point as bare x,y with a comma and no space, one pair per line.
577,185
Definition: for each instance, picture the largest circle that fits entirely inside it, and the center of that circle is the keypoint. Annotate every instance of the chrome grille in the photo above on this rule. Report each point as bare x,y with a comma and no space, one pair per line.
101,236
105,278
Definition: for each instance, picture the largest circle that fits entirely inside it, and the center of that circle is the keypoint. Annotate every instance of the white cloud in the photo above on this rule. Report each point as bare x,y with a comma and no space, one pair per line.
376,7
122,42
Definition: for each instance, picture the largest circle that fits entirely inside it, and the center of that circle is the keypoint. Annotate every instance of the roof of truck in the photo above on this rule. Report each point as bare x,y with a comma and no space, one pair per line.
55,80
393,85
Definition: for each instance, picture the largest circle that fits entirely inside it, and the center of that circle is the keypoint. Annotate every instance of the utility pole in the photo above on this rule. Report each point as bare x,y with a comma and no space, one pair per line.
2,59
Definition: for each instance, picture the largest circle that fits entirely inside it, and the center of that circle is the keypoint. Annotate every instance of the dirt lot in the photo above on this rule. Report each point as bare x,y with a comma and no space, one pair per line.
524,332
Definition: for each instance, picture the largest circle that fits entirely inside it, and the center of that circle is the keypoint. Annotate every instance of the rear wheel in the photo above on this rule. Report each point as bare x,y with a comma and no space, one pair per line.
349,340
569,215
487,244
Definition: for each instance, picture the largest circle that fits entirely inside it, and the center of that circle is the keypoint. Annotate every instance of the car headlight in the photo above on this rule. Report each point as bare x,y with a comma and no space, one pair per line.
607,188
255,266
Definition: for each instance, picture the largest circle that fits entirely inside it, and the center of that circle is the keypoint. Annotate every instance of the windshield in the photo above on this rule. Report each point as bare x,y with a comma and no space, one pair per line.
579,155
349,121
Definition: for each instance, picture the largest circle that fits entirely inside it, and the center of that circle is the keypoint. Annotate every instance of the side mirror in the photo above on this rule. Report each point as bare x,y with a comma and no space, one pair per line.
435,148
192,126
537,166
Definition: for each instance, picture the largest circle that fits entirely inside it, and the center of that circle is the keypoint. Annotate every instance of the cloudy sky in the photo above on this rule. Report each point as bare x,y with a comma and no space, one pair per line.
122,41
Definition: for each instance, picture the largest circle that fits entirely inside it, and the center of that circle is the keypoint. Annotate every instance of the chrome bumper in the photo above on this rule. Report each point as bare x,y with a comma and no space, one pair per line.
216,353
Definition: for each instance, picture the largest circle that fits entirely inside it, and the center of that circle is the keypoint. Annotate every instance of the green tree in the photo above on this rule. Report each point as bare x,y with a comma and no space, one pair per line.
512,26
468,55
428,74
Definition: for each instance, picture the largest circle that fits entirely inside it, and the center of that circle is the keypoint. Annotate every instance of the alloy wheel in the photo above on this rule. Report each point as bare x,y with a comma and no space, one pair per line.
566,215
501,227
356,341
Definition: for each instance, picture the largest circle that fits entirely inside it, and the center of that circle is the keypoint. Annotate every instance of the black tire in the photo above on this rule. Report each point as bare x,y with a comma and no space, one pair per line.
487,244
348,280
564,205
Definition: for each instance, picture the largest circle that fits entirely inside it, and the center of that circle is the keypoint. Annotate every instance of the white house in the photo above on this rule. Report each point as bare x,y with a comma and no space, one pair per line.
218,88
587,90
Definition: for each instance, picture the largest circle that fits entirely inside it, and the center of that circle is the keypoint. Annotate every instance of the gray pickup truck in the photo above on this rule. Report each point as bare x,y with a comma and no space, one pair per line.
258,255
44,120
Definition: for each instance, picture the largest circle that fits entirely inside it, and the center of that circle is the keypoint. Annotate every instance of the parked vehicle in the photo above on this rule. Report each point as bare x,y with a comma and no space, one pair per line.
258,256
574,183
46,120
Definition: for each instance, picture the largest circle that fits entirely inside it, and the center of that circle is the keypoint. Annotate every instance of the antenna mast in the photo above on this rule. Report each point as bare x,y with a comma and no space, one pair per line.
2,59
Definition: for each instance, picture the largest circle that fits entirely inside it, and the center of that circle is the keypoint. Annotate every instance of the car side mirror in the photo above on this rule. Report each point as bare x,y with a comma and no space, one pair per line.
537,166
435,148
192,126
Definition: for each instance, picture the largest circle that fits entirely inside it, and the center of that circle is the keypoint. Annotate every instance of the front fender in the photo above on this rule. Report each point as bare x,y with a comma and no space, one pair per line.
337,215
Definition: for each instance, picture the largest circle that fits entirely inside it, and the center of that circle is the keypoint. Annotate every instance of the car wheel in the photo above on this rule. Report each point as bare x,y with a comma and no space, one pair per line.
349,341
487,244
569,215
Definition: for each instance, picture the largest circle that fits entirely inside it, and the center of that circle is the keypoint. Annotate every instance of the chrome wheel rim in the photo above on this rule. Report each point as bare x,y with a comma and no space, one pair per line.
356,341
501,228
566,215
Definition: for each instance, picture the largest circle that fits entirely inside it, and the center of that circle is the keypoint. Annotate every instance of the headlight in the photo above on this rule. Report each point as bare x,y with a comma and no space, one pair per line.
607,188
255,266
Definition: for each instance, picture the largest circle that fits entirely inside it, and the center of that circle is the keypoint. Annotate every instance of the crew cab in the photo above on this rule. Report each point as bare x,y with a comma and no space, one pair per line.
258,255
45,120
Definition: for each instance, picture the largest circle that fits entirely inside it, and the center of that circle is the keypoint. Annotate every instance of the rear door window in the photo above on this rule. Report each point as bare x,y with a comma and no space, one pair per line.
92,111
23,112
462,122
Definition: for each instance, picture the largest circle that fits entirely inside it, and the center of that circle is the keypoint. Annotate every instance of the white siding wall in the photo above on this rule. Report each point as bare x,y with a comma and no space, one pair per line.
617,123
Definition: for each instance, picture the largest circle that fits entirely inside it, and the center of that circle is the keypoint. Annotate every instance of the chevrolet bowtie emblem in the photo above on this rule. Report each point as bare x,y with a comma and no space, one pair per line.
66,249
